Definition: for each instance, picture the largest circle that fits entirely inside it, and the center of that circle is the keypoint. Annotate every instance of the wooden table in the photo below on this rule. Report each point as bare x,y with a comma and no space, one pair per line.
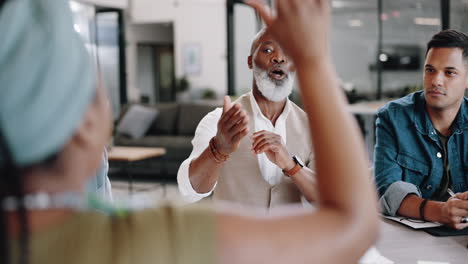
133,154
404,245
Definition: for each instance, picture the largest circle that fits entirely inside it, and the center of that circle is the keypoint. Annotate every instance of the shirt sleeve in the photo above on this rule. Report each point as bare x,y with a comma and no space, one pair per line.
388,173
391,200
207,128
100,183
311,162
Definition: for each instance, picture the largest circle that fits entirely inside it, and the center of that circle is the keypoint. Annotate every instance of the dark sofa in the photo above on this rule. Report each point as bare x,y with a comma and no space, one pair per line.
173,129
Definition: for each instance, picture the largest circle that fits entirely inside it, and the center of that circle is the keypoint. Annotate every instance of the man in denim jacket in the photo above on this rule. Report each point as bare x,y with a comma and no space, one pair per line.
421,150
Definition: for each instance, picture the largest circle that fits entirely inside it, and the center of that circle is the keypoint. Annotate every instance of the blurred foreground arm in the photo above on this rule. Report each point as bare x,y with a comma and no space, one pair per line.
346,223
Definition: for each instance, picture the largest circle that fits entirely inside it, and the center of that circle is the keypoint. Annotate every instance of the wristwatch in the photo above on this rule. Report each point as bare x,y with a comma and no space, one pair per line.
299,165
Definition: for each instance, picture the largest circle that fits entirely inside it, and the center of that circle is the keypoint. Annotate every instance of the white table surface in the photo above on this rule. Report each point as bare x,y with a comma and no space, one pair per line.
404,245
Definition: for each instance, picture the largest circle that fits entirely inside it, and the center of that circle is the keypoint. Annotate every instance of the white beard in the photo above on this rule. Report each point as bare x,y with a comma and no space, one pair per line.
275,91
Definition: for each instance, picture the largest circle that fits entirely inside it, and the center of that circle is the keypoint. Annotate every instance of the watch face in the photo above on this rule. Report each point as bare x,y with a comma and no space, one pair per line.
298,161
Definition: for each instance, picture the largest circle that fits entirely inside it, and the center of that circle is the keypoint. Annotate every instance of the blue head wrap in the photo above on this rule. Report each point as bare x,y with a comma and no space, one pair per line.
46,78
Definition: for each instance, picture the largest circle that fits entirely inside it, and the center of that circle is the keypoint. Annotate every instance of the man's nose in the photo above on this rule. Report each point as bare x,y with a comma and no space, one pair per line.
279,58
438,79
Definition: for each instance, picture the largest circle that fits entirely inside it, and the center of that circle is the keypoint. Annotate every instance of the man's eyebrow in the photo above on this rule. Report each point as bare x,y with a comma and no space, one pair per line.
447,68
267,42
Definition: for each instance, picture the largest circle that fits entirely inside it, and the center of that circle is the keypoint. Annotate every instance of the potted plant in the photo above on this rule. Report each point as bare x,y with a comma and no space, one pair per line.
182,89
208,94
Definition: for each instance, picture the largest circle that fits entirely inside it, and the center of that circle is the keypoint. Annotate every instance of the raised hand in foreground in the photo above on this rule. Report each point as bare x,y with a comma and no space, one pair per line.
346,223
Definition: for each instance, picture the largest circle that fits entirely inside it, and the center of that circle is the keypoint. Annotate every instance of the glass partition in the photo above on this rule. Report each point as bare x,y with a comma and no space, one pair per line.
100,33
407,26
354,46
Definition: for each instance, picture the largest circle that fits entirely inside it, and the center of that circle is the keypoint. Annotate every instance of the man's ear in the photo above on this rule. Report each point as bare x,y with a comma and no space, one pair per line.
249,62
466,69
466,79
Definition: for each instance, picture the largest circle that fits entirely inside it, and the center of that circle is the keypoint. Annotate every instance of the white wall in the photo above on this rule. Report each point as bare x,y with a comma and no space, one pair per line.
245,29
201,22
108,3
153,11
144,33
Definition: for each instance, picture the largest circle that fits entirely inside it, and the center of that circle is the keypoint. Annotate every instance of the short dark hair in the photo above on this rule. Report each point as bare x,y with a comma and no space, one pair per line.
449,38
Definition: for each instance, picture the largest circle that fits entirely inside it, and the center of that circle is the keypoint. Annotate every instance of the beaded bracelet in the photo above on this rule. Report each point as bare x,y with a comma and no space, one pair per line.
421,209
218,156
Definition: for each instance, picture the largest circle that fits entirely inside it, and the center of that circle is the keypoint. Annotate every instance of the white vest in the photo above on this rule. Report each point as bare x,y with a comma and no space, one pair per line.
241,180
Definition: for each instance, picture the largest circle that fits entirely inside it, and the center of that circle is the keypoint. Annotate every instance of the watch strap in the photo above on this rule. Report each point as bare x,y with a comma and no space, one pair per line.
292,171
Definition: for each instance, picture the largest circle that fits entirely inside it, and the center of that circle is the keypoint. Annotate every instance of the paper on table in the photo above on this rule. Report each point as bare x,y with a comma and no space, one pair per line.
372,256
416,224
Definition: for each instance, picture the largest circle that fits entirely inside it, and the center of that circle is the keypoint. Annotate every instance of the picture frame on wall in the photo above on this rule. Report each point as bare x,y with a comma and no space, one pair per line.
192,59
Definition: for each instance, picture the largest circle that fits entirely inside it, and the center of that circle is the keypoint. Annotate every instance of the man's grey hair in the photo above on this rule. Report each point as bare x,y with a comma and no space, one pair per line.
255,40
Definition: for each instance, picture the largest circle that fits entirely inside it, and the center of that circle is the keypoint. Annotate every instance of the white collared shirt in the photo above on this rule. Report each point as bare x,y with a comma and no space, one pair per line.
208,129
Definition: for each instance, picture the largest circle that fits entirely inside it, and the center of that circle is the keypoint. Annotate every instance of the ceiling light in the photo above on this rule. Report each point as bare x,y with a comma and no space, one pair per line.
427,21
74,6
77,28
338,4
355,23
383,57
384,16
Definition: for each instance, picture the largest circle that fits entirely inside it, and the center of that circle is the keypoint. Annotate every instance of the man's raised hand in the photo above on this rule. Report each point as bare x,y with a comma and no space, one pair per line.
232,127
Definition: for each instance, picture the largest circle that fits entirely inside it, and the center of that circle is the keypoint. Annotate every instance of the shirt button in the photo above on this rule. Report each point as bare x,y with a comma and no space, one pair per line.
439,155
429,187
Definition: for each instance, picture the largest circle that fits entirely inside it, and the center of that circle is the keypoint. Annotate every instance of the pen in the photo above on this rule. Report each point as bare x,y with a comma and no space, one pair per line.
452,194
464,219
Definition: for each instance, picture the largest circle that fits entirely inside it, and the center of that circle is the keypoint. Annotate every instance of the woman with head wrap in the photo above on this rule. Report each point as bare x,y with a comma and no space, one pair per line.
54,123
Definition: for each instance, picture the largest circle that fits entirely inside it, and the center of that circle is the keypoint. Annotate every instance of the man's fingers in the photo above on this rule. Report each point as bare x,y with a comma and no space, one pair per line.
234,110
460,226
263,10
462,196
266,147
263,144
235,120
461,204
264,133
227,104
237,137
241,125
455,212
258,140
259,133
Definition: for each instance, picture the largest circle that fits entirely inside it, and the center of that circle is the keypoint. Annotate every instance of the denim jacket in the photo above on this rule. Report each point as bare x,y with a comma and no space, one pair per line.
408,153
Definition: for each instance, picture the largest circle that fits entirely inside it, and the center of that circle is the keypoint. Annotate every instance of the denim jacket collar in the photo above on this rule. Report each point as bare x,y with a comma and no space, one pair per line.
423,122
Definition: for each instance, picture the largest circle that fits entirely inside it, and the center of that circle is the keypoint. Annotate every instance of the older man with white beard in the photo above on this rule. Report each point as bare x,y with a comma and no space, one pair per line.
251,152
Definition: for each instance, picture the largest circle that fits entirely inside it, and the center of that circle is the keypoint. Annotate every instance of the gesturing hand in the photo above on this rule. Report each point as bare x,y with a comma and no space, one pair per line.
272,145
232,127
308,18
